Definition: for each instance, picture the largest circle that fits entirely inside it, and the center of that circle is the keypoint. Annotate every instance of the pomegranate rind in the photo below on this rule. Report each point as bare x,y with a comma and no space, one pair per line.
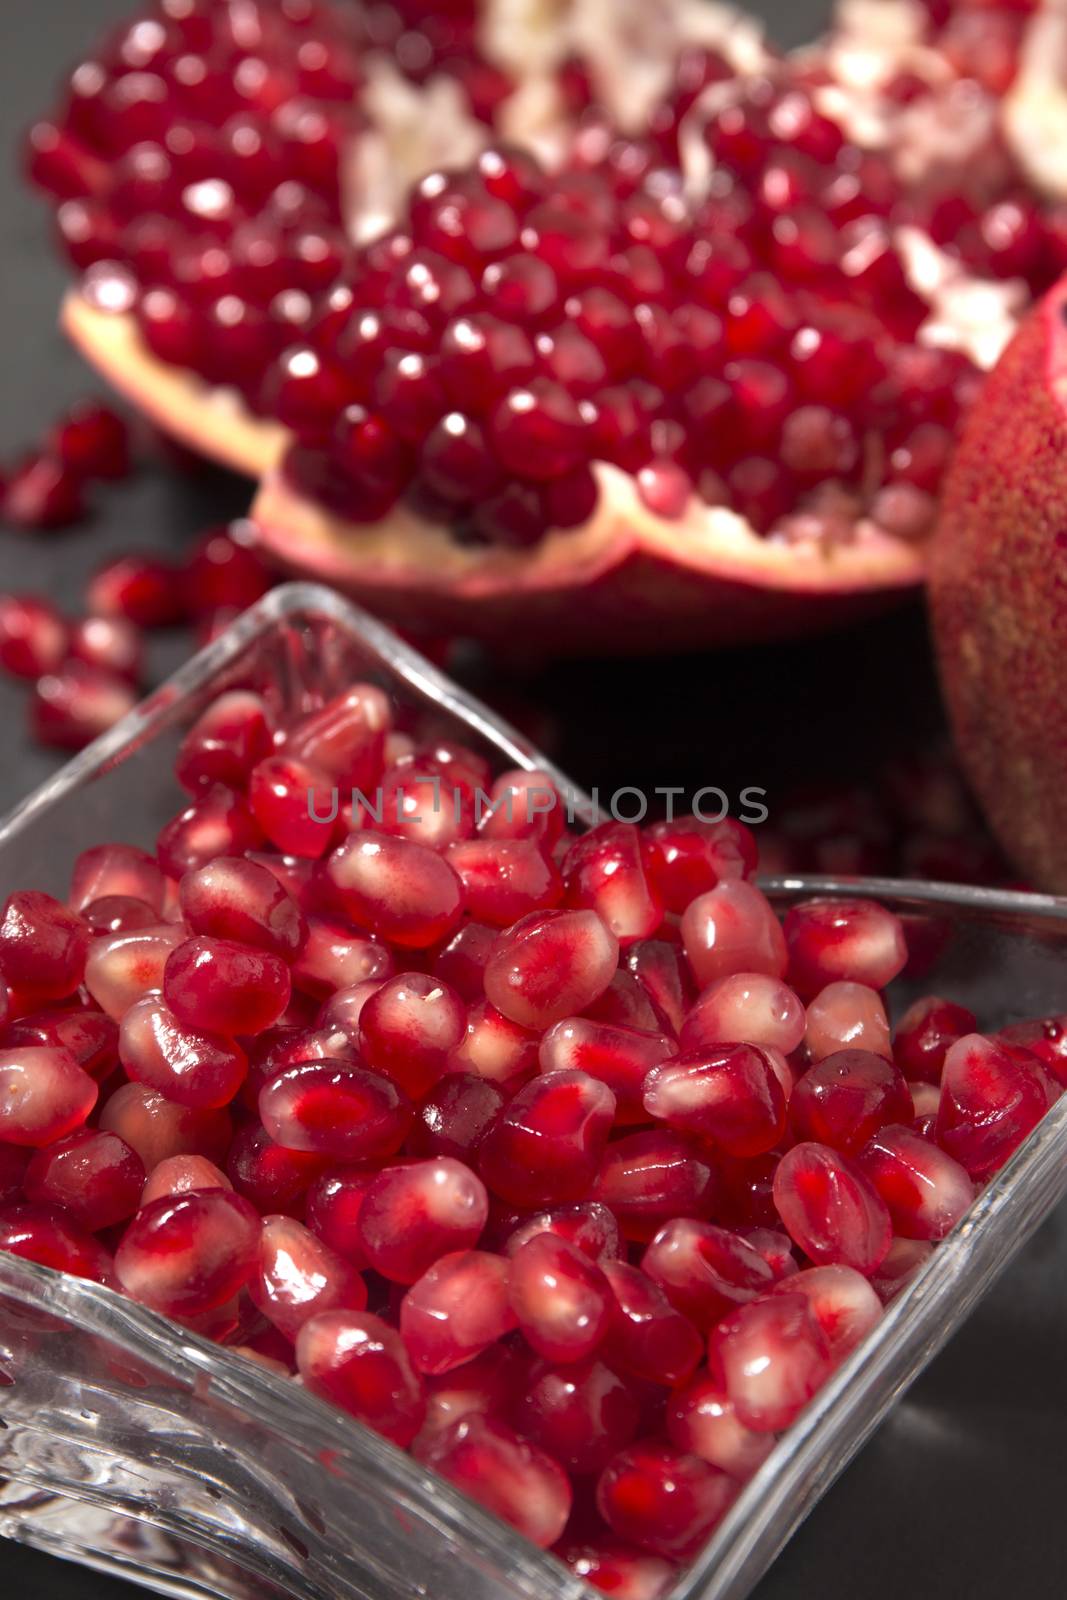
996,575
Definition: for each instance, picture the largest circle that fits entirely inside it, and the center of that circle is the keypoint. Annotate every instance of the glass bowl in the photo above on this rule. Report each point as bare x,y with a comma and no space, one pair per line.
132,1446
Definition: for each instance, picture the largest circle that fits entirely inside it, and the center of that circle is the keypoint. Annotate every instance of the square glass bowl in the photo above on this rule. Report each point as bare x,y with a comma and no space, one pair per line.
135,1447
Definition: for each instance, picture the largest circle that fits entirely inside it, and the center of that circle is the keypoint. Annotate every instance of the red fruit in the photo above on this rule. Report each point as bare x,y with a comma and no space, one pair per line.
855,941
122,967
590,1227
226,741
847,1017
746,1005
771,1356
330,1109
617,1570
661,971
157,1129
13,1163
110,644
116,869
91,441
648,1178
332,1210
687,856
495,1048
43,492
546,1145
505,1473
663,1500
335,958
702,1421
33,636
295,805
95,1178
44,1095
453,1117
505,879
141,588
846,1098
728,1094
524,804
705,1271
189,1255
116,914
394,888
619,1056
218,823
346,739
47,1236
605,872
563,1302
830,1210
992,1095
187,1065
359,1362
926,1191
648,1339
74,706
181,1175
412,1215
43,946
550,965
297,1276
1046,1039
731,929
461,961
225,987
226,572
232,898
581,1413
455,1310
906,1257
925,1032
272,1176
842,1302
407,1029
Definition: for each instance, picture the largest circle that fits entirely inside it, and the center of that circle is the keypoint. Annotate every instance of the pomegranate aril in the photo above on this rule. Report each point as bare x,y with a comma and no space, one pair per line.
705,1271
218,823
47,1235
589,1227
34,637
546,1145
663,1500
332,1210
43,493
359,1362
648,1338
120,968
297,1276
452,1119
72,707
746,1005
455,1310
906,1257
461,960
619,1570
661,971
142,588
730,929
118,914
581,1413
294,804
328,1109
412,1215
157,1128
771,1356
227,740
561,1299
925,1190
495,1048
1046,1039
187,1065
189,1255
505,1473
44,1095
221,986
272,1176
625,1003
407,1029
345,739
181,1175
729,1094
846,1098
399,890
94,1177
92,441
619,1056
110,644
334,958
648,1178
116,869
524,804
43,946
550,965
847,1017
702,1421
842,1302
604,872
992,1095
855,941
505,879
830,1210
924,1033
233,898
225,572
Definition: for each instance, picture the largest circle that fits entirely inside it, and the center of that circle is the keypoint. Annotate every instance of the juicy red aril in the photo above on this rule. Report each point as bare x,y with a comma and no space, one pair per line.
604,871
705,1270
94,1177
141,588
110,644
14,1160
495,1048
505,879
43,493
702,1421
619,1056
116,869
626,1003
227,740
647,1178
729,1094
273,1176
157,1128
43,946
746,1005
334,958
506,1474
345,740
661,971
992,1095
412,1215
116,914
46,1235
662,1500
225,987
852,940
44,1095
181,1175
294,804
925,1190
218,823
33,636
189,1255
524,804
648,1338
394,888
457,1309
618,1570
461,959
331,1110
187,1065
225,572
359,1362
550,965
581,1413
72,707
842,1302
687,856
588,1226
92,441
408,1028
771,1356
846,1098
562,1301
1046,1039
733,928
830,1210
297,1276
232,898
923,1035
452,1119
847,1017
546,1145
122,967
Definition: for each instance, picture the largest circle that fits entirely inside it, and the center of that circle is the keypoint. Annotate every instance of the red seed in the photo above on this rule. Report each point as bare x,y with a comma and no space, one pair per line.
359,1362
906,1257
648,1178
856,941
604,871
842,1302
749,1006
188,1065
505,879
297,1277
157,1128
329,1109
412,1215
992,1095
563,1302
189,1255
731,929
581,1413
92,441
619,1056
218,823
43,493
495,1048
223,987
272,1176
461,960
846,1098
661,971
346,739
47,1236
705,1271
457,1309
43,946
335,958
524,805
116,869
687,856
122,967
225,571
729,1094
181,1175
506,1474
119,915
295,804
830,1210
662,1500
454,1116
648,1339
94,1177
110,645
141,588
847,1016
925,1032
398,890
229,738
590,1227
72,707
44,1095
618,1570
550,965
771,1357
408,1028
233,898
546,1146
33,636
702,1421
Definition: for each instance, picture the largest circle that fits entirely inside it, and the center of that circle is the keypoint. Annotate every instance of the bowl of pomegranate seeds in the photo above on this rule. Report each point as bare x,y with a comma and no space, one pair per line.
414,1182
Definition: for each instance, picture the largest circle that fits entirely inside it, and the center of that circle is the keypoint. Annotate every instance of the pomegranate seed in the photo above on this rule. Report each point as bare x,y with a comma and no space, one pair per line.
745,1005
45,1235
116,869
771,1356
91,441
43,493
227,740
34,637
272,1176
925,1032
142,588
562,1301
412,1215
591,1228
524,805
855,941
94,1177
189,1255
225,572
604,872
188,1066
648,1178
399,890
359,1362
297,1277
687,856
217,823
506,1474
288,798
829,1209
44,1095
906,1257
455,1310
181,1175
660,970
731,929
43,946
846,1098
345,740
461,960
225,987
648,1339
619,1056
122,967
329,1109
620,1571
925,1190
111,645
157,1129
234,899
844,1017
495,1048
581,1413
453,1118
992,1095
505,879
407,1029
117,914
729,1094
662,1500
842,1301
701,1421
545,1147
14,1161
550,965
78,704
335,958
705,1271
1046,1039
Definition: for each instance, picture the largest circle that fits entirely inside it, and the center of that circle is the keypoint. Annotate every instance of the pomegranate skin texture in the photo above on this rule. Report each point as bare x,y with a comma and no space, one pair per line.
996,575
